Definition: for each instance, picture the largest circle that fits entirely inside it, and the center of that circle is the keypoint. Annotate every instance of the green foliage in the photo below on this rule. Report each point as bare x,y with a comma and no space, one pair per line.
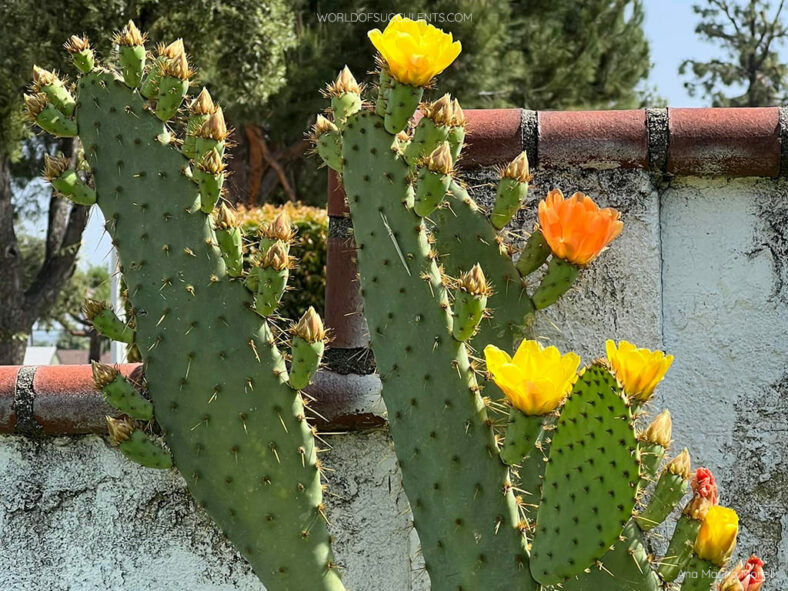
748,33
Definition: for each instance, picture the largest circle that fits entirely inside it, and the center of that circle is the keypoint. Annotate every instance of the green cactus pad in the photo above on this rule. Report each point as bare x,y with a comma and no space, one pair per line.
458,488
651,455
456,141
150,85
143,450
329,146
509,196
269,286
55,122
558,278
83,60
108,324
534,253
464,237
124,397
59,97
70,185
401,103
131,59
210,188
701,575
193,125
237,431
624,568
306,360
590,481
170,95
522,431
344,105
667,494
230,242
468,309
431,189
680,548
426,137
385,82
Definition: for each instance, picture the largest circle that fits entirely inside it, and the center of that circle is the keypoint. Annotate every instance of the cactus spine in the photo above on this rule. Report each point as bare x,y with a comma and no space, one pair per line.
236,427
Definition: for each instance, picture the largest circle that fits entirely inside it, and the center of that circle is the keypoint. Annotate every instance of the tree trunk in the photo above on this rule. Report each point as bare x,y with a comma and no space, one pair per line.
95,346
12,351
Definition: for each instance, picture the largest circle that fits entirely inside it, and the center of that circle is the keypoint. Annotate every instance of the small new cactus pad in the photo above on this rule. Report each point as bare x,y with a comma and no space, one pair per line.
590,481
219,386
458,488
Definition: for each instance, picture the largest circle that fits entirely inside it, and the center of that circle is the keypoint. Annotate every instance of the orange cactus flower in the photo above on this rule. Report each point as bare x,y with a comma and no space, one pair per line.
576,228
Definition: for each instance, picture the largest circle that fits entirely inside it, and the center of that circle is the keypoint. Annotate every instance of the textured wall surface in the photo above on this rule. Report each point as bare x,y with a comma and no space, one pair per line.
701,270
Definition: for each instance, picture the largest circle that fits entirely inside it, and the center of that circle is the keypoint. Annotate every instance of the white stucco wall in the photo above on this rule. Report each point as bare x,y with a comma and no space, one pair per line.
701,270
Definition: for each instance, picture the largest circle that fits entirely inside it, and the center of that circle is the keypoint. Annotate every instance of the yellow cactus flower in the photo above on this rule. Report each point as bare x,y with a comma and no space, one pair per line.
638,370
717,536
415,51
537,379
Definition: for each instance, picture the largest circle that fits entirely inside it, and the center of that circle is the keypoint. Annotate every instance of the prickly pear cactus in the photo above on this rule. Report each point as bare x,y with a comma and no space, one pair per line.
235,425
439,282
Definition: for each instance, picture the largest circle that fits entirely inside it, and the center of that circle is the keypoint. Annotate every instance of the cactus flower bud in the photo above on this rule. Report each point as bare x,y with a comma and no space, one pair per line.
276,257
129,36
171,51
440,159
212,162
75,44
458,115
54,167
745,577
119,429
705,496
517,169
42,77
310,327
279,228
639,370
178,68
717,537
226,219
440,111
81,53
474,282
660,430
34,104
203,104
93,308
215,128
103,374
322,125
680,465
536,379
344,83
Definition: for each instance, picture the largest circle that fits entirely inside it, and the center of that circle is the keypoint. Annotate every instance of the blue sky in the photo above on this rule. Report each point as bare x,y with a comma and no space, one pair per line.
669,27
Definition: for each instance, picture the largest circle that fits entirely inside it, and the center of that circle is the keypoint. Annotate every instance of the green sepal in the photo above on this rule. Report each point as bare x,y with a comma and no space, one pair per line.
53,121
230,242
203,145
306,358
558,278
534,254
651,455
385,83
170,96
59,97
329,147
509,196
74,188
680,548
84,60
431,188
150,86
108,324
467,309
456,141
121,395
401,105
193,125
131,59
143,450
268,285
522,432
344,105
667,494
210,188
426,137
701,575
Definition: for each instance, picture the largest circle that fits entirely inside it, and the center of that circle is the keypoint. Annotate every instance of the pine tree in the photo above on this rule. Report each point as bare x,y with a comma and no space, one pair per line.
749,33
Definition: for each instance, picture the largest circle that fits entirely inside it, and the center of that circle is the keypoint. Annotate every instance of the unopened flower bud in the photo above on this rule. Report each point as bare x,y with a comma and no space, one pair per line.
178,67
276,257
212,162
660,430
704,494
440,111
103,374
119,429
226,219
75,44
323,125
34,104
310,327
458,115
344,83
440,159
215,128
93,308
203,104
474,282
42,77
518,169
130,35
173,50
280,228
745,577
54,167
680,465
